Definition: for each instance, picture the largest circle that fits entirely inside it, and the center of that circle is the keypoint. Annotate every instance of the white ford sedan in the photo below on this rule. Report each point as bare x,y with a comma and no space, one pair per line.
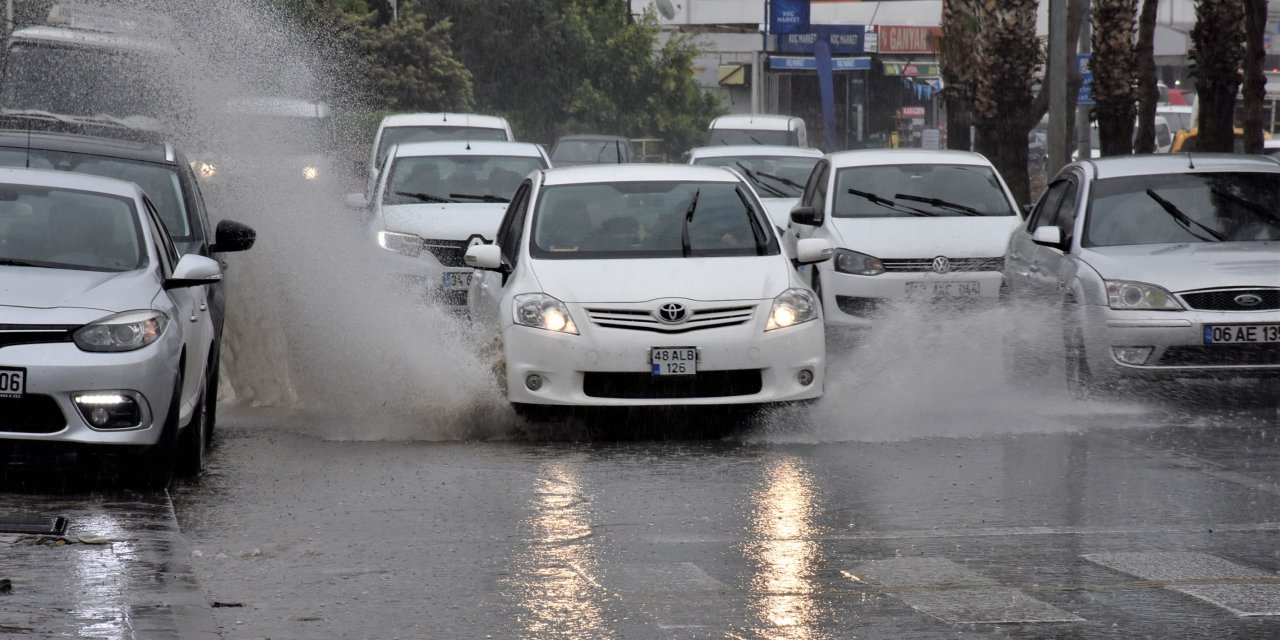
634,285
928,226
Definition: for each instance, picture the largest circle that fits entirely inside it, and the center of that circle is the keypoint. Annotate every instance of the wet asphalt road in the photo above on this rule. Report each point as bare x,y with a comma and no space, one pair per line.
1101,522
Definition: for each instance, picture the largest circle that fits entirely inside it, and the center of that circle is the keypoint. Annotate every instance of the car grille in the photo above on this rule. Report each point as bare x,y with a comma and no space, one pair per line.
447,252
856,306
643,319
14,334
915,265
31,413
1240,355
705,384
1225,300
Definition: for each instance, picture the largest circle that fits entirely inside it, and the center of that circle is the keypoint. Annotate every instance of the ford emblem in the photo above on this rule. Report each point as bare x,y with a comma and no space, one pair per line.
1248,300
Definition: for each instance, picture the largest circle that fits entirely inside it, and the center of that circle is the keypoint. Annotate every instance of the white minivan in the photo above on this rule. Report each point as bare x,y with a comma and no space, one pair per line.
785,131
402,128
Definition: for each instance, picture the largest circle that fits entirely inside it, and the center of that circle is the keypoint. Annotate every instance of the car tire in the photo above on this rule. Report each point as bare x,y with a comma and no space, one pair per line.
153,467
1081,384
193,441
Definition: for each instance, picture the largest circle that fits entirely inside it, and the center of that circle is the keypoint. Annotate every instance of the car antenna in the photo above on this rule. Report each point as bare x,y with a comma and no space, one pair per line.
1191,164
467,126
28,148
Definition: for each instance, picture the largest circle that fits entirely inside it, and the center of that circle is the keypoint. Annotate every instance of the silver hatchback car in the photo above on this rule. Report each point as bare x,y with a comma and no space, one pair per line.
105,334
1161,266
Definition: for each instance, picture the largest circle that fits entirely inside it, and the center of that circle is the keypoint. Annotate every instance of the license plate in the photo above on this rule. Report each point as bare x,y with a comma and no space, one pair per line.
13,382
674,361
457,280
943,289
1241,333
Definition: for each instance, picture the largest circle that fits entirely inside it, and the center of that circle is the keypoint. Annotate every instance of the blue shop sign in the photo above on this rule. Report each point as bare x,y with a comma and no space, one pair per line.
843,38
807,63
789,16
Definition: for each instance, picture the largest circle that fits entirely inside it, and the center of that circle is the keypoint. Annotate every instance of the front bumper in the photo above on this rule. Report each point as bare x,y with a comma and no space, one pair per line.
610,367
853,301
1177,343
54,372
424,273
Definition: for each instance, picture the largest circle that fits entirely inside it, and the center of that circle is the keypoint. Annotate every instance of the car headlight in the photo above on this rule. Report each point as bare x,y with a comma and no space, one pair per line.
311,172
128,331
856,263
790,308
541,311
408,244
206,170
1122,294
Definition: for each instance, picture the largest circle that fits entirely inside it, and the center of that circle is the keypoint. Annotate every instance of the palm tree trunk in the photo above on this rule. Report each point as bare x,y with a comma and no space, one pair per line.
1145,68
1255,79
1113,26
1217,53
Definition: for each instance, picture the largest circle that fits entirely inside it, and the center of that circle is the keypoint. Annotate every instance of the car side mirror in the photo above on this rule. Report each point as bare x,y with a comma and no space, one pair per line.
356,201
811,250
1048,236
194,270
484,256
806,215
233,236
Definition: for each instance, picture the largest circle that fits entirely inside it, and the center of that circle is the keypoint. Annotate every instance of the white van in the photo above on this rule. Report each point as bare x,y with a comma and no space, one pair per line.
783,131
1164,138
432,127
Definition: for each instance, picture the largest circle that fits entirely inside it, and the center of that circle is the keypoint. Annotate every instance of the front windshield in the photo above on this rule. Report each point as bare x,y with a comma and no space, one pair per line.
750,136
66,229
772,176
86,82
435,133
588,152
649,220
1203,207
932,190
288,132
160,182
418,179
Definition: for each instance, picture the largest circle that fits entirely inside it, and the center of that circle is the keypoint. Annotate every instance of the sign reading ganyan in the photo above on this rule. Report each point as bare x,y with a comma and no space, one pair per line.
905,39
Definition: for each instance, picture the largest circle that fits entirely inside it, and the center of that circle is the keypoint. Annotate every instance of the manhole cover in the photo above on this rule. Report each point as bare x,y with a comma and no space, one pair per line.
34,525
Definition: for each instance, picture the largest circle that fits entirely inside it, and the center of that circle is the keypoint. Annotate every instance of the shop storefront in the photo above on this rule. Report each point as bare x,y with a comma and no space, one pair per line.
791,81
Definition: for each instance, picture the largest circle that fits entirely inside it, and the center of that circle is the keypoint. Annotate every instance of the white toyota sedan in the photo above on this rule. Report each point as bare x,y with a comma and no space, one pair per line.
435,198
635,285
908,225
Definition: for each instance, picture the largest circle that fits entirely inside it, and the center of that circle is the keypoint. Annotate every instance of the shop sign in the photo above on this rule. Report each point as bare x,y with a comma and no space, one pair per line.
843,38
911,112
908,39
807,63
913,70
789,16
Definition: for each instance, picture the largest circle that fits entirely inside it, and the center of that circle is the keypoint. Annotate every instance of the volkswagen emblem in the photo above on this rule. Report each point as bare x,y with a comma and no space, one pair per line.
941,264
672,313
1248,300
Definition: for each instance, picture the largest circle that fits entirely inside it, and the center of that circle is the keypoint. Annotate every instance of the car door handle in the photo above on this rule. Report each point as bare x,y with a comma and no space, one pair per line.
1034,269
204,306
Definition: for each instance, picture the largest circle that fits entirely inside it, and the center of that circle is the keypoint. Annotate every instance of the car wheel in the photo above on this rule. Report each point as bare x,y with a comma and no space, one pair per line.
153,467
1080,381
193,440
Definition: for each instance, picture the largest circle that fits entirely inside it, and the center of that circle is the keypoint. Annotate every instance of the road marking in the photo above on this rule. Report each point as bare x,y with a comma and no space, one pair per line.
675,593
982,532
953,593
1242,590
682,577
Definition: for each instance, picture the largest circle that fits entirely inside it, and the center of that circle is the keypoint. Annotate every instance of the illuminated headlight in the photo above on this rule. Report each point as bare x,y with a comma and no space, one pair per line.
1139,295
109,409
128,331
541,311
310,172
790,308
856,263
408,244
205,170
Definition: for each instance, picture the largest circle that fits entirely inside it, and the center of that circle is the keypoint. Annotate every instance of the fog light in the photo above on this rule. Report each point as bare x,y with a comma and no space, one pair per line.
533,382
110,410
1132,355
805,377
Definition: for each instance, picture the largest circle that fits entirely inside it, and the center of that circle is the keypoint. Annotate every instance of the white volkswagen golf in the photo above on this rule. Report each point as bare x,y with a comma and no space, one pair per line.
635,285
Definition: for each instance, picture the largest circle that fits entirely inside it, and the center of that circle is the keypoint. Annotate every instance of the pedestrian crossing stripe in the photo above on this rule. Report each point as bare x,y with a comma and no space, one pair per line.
1244,591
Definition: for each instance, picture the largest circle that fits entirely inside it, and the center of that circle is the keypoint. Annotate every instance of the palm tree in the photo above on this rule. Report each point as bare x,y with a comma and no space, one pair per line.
1113,90
1255,80
958,50
1216,55
1005,102
1145,72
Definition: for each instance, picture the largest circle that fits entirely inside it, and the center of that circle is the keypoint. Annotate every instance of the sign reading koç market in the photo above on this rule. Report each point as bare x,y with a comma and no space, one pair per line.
789,16
842,38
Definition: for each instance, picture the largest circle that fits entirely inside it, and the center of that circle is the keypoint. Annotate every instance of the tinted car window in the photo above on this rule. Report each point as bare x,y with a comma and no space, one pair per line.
961,190
81,81
772,176
415,180
1207,207
749,136
403,135
68,229
591,151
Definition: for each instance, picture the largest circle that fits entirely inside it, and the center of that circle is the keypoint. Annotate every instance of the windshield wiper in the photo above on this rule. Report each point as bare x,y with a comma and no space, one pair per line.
688,217
484,198
1249,204
425,197
757,231
754,174
937,202
789,183
1184,219
889,204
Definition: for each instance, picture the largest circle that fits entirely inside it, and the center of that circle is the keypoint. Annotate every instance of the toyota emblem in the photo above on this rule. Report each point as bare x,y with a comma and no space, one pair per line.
941,264
672,313
1248,300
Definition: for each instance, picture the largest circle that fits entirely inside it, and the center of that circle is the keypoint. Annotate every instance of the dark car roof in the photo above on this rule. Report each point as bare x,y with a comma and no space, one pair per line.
93,145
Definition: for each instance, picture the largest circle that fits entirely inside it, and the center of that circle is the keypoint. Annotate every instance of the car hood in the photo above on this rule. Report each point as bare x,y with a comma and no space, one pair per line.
450,221
642,280
1191,266
953,237
65,296
779,210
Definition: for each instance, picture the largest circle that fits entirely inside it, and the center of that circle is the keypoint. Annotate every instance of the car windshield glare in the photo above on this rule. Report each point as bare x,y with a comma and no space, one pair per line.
67,229
926,190
435,133
419,179
771,137
1181,208
772,176
649,220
